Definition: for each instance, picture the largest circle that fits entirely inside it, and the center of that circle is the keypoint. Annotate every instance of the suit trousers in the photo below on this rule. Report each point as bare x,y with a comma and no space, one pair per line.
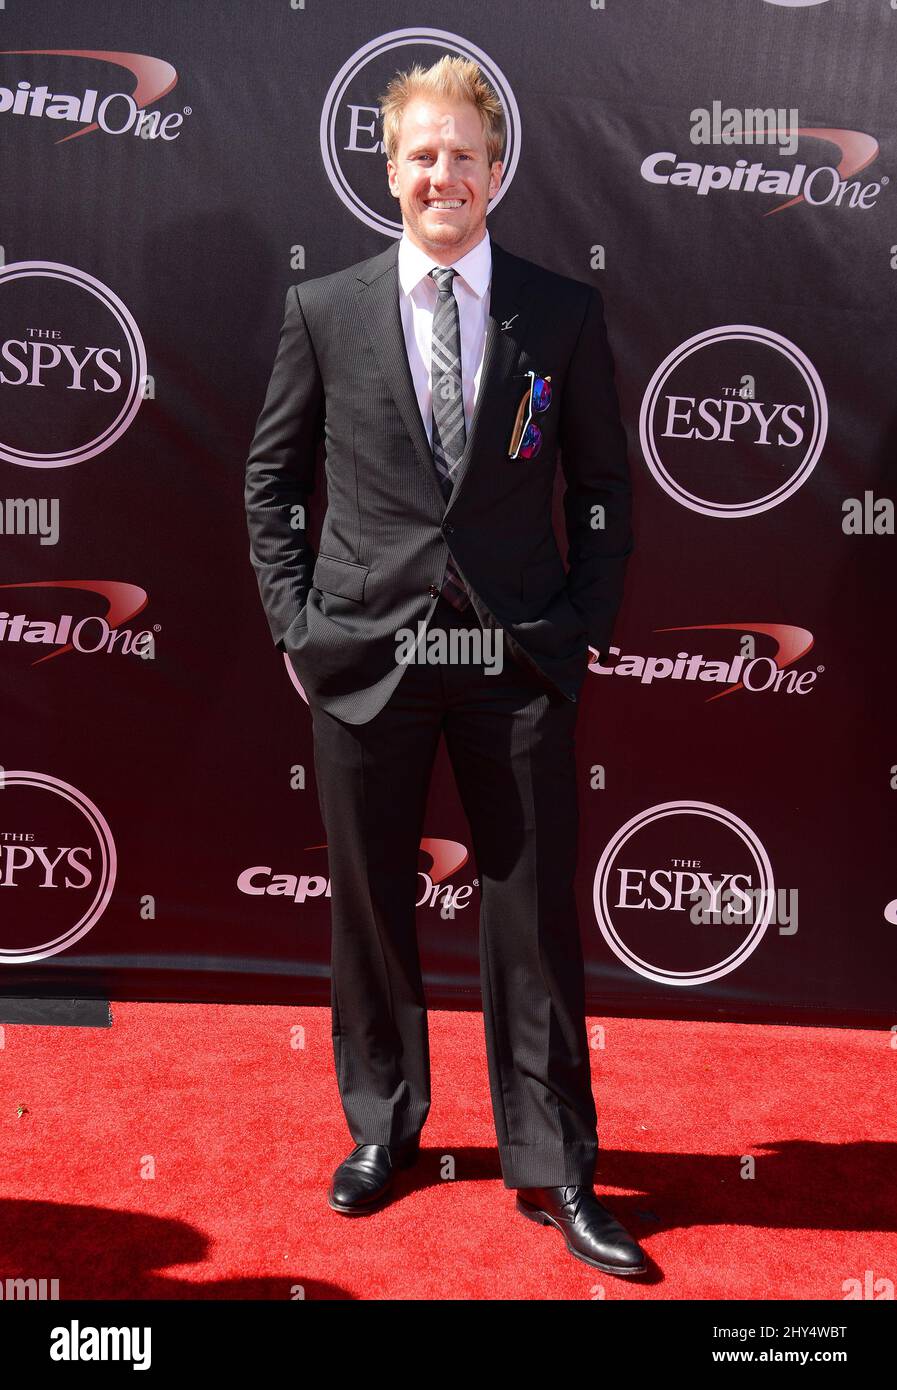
510,740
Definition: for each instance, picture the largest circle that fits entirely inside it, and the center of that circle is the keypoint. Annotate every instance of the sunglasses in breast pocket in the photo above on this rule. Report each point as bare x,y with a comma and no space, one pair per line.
526,436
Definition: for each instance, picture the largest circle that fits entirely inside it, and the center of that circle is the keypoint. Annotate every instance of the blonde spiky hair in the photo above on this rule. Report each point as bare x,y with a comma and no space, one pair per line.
458,79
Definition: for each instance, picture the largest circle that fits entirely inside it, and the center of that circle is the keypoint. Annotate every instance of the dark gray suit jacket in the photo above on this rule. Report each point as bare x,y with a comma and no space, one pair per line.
341,378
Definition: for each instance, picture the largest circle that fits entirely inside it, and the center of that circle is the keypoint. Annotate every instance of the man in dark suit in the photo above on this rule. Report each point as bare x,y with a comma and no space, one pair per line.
441,376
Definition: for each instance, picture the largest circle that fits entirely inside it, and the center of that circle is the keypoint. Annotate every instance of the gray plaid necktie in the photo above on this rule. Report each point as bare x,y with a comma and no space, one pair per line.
449,431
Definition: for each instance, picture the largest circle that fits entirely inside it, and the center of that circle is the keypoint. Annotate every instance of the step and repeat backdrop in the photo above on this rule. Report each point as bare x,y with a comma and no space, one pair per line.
724,171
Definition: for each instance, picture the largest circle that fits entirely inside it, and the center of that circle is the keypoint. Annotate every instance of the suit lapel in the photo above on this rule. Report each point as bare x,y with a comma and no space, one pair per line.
377,287
378,297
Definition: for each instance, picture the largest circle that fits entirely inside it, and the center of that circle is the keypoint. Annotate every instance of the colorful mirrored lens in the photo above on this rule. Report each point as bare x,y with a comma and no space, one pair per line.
541,394
532,442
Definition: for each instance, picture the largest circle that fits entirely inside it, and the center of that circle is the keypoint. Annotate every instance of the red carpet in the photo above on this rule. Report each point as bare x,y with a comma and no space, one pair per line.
185,1153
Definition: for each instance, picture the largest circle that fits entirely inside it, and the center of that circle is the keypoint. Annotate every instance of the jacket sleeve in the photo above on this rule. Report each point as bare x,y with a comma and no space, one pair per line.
597,501
280,473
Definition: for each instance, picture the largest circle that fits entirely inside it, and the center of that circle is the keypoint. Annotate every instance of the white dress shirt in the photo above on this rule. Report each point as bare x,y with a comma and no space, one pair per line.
417,301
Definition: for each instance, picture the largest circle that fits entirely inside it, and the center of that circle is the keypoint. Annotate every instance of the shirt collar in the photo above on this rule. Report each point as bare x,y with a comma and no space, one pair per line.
474,268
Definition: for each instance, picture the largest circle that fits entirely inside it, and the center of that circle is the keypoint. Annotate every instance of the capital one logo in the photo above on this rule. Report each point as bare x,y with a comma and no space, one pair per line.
740,669
733,421
446,858
57,866
88,633
72,365
644,888
115,113
351,143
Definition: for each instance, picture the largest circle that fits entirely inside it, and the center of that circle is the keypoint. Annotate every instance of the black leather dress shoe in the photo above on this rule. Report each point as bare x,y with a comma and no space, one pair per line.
364,1178
591,1232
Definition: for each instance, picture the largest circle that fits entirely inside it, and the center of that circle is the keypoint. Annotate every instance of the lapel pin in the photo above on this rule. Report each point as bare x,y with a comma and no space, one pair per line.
507,323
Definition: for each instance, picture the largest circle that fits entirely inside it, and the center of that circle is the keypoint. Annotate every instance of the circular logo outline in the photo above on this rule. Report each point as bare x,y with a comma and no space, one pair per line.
400,38
602,912
766,337
56,270
108,868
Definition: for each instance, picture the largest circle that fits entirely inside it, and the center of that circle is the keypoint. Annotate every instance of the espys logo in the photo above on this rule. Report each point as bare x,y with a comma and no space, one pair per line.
116,113
758,674
446,857
70,344
351,144
823,186
733,421
89,633
646,879
57,866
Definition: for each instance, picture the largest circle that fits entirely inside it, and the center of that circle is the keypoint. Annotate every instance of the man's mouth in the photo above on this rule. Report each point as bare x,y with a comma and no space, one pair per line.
445,204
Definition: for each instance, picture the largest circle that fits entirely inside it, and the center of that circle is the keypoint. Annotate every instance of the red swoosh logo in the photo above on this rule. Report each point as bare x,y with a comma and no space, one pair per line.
446,856
857,150
124,601
153,77
791,643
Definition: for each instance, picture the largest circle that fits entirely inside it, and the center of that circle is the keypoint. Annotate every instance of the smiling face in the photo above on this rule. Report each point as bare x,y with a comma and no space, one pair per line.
442,178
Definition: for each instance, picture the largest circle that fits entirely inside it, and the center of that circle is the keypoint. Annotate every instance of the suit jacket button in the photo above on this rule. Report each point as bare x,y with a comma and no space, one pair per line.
433,590
448,528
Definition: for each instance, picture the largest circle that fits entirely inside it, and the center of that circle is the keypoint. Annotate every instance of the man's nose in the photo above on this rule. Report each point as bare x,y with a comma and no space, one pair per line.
442,171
